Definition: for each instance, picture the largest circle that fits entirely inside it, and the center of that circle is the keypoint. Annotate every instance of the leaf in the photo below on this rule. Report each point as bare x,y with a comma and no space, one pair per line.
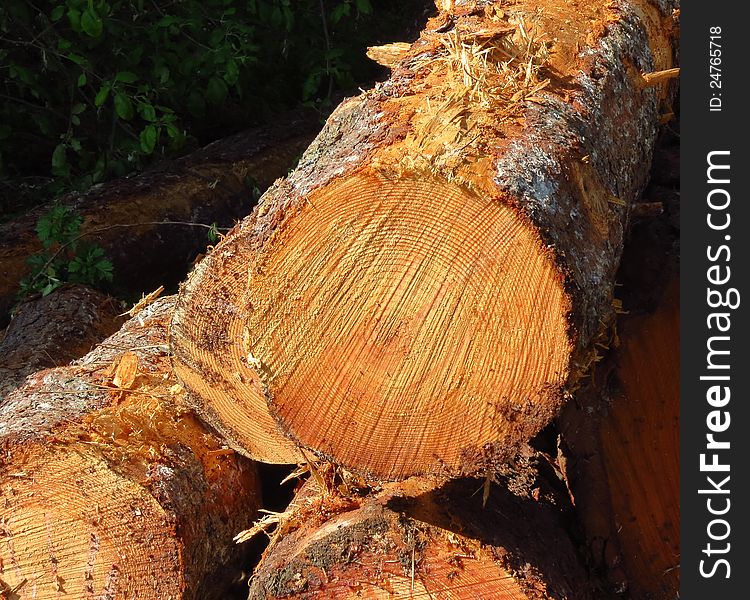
37,261
93,253
104,269
232,72
341,11
126,77
51,287
78,108
148,138
148,112
60,225
82,80
59,159
57,13
74,18
76,58
172,131
19,72
213,233
166,21
364,6
162,73
123,106
44,233
91,23
217,90
216,38
311,84
71,227
44,124
102,95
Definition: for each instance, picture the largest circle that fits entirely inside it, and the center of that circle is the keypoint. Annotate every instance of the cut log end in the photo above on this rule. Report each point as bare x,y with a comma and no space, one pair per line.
64,525
420,293
409,314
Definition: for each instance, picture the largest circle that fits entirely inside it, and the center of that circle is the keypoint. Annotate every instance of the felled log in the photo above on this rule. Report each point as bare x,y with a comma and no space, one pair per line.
53,330
418,540
213,184
107,490
621,437
423,289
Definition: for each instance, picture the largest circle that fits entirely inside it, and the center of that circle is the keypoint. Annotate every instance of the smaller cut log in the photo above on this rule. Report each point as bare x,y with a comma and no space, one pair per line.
213,184
49,331
107,490
417,540
621,438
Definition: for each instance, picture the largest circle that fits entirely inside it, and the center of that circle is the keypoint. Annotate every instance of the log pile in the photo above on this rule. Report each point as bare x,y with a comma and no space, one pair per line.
405,314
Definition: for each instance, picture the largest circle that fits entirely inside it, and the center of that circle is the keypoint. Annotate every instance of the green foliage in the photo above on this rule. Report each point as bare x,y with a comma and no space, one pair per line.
91,89
65,257
213,233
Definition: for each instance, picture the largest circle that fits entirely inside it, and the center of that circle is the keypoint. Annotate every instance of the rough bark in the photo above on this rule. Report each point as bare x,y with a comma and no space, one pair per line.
53,330
621,438
108,489
213,184
415,539
422,291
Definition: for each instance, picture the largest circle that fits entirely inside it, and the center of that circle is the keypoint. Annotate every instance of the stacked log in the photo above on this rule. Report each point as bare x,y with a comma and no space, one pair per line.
413,304
420,295
108,489
421,539
53,330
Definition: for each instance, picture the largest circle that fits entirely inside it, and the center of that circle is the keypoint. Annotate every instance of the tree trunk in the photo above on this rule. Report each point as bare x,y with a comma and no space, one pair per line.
621,437
417,540
53,330
214,184
109,491
421,292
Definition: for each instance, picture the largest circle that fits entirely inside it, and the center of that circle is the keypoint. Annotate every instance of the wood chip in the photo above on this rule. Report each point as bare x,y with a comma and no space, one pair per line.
388,55
126,371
